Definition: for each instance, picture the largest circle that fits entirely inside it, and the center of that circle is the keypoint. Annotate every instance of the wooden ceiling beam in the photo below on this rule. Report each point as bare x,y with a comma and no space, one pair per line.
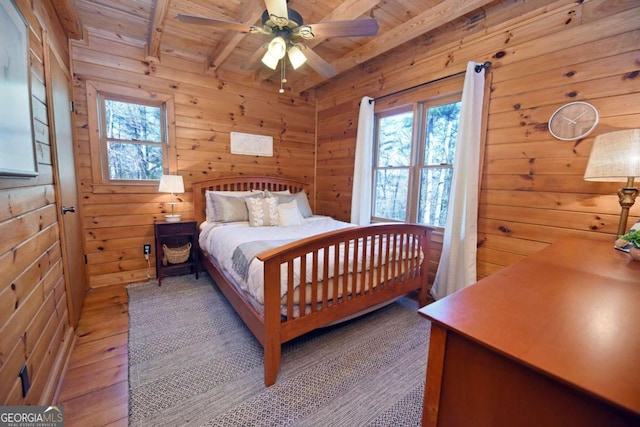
428,20
68,17
251,13
156,28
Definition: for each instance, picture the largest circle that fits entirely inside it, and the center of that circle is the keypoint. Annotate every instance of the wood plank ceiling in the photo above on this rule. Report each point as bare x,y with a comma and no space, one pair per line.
152,24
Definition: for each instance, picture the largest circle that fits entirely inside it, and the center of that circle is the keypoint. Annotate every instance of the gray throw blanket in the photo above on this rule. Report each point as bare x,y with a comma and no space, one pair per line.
246,252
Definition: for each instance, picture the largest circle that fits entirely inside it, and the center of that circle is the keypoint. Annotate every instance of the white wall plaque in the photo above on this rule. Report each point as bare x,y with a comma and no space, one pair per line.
251,145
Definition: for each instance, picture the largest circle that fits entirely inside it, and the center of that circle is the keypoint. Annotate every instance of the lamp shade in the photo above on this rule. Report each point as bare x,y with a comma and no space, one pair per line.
614,157
270,60
296,57
277,47
171,184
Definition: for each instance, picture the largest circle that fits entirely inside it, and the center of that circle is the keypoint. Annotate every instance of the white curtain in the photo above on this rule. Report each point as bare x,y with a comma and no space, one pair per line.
457,268
361,196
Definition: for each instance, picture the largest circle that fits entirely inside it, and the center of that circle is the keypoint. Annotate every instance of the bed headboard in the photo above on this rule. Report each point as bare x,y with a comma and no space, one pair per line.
240,183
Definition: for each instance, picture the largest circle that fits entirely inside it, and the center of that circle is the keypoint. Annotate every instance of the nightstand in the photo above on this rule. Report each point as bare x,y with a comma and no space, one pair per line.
174,235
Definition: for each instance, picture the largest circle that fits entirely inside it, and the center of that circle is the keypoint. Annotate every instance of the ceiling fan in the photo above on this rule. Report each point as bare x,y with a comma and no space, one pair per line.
287,30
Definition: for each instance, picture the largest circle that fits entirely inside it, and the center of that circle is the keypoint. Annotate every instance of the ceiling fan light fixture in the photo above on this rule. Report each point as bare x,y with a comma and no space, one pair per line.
296,57
269,60
277,47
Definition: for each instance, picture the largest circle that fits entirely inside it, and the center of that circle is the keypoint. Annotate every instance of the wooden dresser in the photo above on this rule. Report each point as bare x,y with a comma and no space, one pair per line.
553,340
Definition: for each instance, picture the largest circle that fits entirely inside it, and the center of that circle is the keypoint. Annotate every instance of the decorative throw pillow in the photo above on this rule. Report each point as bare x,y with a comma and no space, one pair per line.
289,214
301,198
209,194
262,212
231,208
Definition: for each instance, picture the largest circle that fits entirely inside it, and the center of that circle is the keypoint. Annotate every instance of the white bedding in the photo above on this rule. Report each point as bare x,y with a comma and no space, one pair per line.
219,240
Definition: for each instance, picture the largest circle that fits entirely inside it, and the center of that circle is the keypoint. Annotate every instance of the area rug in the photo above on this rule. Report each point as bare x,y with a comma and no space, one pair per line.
193,362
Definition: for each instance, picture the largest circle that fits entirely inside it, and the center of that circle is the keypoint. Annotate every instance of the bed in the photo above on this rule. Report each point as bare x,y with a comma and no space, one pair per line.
314,281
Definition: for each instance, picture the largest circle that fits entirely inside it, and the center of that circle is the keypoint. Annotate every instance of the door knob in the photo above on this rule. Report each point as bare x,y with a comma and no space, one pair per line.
66,209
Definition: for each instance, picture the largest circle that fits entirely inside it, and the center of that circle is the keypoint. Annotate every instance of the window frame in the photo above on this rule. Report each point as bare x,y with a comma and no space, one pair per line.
419,102
376,146
97,92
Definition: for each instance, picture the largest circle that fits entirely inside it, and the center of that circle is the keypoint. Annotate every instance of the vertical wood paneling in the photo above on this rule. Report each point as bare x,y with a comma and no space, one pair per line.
544,54
34,325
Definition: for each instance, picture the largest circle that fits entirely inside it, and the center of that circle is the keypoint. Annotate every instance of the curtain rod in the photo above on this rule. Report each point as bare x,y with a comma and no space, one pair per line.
478,68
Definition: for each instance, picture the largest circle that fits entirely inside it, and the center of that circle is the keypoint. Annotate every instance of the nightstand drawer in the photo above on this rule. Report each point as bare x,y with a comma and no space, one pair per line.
172,229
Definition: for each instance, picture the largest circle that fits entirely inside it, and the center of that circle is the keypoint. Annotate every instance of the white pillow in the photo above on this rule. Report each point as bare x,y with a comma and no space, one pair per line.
289,214
262,212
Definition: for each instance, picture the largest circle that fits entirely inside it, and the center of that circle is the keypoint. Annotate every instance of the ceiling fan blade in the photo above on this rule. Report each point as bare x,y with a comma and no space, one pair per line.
277,8
221,23
352,28
317,63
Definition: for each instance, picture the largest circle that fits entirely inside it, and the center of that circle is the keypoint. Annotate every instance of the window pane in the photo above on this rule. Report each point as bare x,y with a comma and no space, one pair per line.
435,185
394,140
134,161
134,122
390,194
441,134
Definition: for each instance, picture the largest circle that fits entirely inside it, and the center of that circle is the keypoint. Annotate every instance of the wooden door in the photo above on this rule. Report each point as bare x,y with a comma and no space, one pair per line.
61,130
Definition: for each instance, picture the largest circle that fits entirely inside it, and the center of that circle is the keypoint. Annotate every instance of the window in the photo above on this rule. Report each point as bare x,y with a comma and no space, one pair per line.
131,140
413,164
133,136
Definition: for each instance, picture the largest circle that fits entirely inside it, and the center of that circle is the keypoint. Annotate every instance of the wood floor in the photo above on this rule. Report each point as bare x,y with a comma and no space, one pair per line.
95,389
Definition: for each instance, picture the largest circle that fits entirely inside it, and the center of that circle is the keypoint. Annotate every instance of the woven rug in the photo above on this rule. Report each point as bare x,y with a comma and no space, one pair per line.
193,362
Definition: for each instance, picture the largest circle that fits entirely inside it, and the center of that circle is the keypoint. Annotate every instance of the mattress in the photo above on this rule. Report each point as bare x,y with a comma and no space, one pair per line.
221,241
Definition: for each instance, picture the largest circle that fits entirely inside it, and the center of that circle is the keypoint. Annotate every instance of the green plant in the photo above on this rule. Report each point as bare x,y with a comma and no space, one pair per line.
632,237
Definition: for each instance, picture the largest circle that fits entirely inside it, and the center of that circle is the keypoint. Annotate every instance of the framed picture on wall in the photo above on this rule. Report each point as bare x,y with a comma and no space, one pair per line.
17,142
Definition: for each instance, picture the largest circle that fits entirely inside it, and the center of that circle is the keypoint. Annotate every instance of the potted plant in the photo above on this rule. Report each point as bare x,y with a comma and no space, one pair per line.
633,237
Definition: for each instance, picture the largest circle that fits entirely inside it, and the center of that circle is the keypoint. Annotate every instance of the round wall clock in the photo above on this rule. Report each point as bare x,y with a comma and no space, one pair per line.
573,121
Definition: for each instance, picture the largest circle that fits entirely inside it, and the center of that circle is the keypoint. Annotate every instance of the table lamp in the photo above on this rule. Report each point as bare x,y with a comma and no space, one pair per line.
171,184
615,157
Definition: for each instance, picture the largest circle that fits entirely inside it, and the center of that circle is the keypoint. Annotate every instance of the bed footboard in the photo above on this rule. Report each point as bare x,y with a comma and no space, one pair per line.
326,278
336,275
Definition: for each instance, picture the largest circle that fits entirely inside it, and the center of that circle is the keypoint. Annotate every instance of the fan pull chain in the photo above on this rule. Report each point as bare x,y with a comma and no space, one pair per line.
283,77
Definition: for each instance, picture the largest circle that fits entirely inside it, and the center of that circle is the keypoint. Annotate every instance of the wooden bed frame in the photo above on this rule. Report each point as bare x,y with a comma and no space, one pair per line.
272,329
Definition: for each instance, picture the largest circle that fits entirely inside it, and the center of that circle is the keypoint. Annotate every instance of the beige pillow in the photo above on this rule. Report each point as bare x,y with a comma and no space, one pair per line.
231,209
209,198
262,212
301,198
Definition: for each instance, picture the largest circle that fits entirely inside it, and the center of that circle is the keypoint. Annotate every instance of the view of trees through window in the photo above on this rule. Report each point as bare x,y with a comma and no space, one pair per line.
393,162
398,164
134,140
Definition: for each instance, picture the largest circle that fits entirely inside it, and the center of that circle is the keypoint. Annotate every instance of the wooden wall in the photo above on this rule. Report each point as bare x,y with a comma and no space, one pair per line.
34,324
544,54
119,220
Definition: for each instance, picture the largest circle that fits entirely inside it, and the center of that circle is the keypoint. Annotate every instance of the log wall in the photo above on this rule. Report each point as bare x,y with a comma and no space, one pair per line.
34,323
119,220
544,54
